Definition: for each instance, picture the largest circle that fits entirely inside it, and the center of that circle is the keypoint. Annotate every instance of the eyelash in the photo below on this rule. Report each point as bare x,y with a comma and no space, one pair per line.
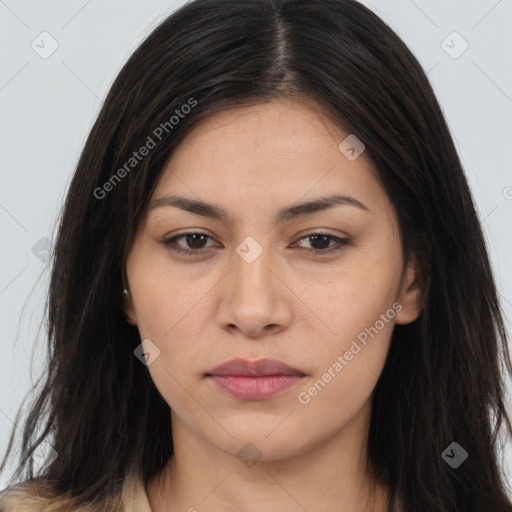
341,243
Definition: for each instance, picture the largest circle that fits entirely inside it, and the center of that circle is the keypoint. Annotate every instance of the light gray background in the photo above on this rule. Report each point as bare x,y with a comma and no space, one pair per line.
48,106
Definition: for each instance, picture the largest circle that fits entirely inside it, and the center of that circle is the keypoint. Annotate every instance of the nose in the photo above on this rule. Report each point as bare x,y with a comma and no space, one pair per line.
255,298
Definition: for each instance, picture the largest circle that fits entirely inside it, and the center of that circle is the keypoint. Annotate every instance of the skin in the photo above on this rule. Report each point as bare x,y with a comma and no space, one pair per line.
303,309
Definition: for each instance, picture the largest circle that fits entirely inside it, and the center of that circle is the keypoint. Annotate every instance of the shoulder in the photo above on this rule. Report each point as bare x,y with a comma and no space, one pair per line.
23,497
32,496
37,496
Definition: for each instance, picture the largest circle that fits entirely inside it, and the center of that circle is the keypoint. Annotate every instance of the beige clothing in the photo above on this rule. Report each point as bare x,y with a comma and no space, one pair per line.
27,497
31,498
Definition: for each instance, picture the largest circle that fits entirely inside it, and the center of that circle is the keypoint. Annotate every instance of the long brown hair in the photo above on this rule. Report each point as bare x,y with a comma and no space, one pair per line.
443,379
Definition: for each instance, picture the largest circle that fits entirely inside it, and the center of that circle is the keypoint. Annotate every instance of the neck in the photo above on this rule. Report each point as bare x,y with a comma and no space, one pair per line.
326,478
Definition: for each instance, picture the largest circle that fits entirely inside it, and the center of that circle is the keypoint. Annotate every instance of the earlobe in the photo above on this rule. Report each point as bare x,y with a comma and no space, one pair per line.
128,308
410,297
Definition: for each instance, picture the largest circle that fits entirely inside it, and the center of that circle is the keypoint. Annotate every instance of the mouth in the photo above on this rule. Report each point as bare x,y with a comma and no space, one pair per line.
254,380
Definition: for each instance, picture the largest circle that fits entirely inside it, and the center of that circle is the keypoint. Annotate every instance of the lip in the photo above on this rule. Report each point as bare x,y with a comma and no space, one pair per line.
261,367
255,380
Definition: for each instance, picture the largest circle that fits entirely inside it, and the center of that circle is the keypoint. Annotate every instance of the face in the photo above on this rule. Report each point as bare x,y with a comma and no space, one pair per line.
316,288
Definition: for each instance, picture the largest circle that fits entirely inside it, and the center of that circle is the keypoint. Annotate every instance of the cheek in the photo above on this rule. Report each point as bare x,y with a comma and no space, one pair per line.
170,320
352,299
359,347
347,374
165,298
357,309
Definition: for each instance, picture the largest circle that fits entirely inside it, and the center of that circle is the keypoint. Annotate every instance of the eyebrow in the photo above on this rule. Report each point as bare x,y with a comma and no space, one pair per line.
288,213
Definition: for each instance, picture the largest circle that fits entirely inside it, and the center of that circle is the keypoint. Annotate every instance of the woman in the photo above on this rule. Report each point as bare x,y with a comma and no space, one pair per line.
270,288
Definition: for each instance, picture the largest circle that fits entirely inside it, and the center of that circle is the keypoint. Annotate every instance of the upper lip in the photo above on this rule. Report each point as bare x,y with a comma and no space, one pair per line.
244,367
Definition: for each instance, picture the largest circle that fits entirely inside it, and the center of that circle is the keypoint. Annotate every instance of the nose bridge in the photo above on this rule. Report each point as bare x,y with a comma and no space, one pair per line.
251,297
251,267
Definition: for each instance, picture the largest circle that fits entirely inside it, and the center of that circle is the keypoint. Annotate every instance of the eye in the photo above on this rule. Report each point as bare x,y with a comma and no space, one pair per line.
193,239
323,240
196,243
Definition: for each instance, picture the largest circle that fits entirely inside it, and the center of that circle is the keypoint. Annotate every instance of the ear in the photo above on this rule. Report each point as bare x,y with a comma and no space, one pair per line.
128,308
410,295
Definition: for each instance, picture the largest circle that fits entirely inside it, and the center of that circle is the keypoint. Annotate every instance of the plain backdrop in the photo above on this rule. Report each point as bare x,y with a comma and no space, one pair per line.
48,103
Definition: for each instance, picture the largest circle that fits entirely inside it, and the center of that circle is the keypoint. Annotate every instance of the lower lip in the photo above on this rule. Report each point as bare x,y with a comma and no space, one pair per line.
255,388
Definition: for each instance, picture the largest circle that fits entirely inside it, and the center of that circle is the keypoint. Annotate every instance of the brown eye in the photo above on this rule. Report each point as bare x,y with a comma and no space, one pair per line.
194,242
321,243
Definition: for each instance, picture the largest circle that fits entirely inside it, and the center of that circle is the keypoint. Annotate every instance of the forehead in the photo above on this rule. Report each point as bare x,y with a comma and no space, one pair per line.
280,151
276,128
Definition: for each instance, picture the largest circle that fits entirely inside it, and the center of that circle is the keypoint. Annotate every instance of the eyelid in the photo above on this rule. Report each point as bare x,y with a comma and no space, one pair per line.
320,231
340,242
